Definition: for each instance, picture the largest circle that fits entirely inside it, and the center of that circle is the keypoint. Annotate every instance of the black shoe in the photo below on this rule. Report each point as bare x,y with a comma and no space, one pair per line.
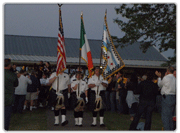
56,124
102,125
64,123
80,125
76,125
92,125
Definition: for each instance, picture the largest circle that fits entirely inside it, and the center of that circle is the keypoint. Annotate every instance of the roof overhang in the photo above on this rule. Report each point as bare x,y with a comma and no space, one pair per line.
31,59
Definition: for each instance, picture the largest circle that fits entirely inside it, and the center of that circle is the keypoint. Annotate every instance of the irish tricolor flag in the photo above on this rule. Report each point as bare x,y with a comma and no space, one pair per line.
85,49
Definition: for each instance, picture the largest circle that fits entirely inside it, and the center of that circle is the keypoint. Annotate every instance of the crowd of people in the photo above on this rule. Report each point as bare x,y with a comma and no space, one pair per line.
134,95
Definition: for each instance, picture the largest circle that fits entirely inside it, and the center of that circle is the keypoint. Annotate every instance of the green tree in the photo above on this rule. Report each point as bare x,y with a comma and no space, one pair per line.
149,24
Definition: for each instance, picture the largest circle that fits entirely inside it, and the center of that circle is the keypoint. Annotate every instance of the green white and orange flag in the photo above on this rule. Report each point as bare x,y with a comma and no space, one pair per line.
85,49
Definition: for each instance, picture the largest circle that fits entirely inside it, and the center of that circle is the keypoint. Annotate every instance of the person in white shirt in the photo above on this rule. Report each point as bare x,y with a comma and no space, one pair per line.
98,86
60,87
84,77
43,79
21,91
78,92
168,92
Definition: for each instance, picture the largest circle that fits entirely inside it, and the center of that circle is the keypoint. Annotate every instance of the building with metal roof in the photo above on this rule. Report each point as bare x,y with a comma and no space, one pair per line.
27,50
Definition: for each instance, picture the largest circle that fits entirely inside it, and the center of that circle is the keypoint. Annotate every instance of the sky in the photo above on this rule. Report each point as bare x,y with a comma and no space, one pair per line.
43,19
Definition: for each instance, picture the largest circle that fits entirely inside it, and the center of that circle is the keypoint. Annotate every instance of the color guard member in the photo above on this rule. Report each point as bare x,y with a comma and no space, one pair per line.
59,95
78,97
97,97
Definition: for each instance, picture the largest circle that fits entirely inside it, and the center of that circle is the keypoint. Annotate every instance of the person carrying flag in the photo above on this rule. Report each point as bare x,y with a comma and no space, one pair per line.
84,77
97,100
60,81
79,97
59,95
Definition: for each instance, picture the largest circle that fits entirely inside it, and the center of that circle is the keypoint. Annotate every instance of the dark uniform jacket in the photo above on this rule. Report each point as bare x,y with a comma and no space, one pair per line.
148,90
35,84
10,81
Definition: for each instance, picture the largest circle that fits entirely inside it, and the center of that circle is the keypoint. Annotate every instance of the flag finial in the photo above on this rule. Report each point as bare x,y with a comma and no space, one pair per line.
60,5
81,14
105,14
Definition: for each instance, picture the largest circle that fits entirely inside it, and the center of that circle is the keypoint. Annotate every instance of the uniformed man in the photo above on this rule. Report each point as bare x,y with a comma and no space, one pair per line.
78,97
97,97
84,77
59,95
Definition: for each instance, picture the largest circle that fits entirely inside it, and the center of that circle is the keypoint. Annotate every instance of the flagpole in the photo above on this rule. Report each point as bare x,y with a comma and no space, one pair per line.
101,46
105,19
100,67
79,66
80,48
60,18
80,53
58,72
100,59
99,70
60,22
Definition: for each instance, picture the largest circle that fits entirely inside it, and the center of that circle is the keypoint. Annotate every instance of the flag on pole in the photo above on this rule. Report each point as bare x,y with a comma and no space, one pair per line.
111,61
85,49
61,52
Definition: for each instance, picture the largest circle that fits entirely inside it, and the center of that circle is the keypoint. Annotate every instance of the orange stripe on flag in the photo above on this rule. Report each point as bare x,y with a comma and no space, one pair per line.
90,63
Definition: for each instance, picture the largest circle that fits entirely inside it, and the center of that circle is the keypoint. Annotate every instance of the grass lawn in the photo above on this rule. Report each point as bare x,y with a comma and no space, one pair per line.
116,121
36,120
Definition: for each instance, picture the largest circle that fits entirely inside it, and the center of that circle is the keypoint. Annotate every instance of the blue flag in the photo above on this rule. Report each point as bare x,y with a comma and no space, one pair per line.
111,61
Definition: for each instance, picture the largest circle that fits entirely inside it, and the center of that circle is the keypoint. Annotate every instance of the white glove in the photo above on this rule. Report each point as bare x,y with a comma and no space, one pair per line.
69,95
86,100
59,94
98,83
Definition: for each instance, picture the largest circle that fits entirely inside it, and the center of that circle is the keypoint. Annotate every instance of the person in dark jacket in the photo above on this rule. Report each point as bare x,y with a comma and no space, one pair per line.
131,99
121,88
111,94
32,90
13,68
10,81
148,92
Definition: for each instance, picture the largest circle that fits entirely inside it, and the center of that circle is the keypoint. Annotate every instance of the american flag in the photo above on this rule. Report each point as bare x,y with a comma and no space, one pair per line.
61,52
